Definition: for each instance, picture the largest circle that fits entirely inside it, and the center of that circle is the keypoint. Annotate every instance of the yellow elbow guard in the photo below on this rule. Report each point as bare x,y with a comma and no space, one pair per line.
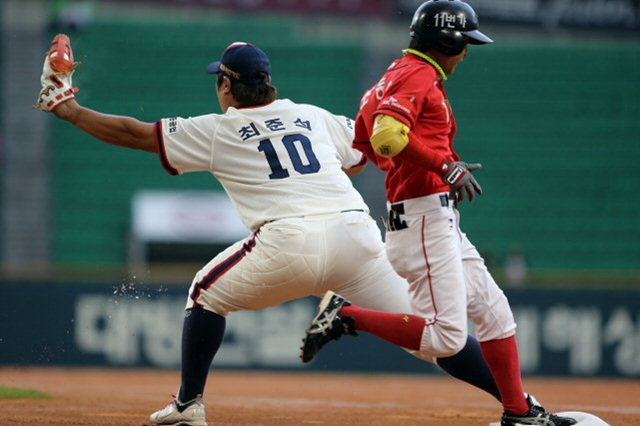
390,136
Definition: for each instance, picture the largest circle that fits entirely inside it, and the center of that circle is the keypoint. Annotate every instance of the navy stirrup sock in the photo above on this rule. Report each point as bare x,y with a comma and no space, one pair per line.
469,366
202,334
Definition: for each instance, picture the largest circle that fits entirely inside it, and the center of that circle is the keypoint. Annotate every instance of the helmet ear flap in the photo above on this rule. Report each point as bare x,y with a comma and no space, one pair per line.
451,43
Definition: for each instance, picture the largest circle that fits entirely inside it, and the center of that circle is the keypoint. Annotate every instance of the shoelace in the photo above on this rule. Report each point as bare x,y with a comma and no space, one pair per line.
325,323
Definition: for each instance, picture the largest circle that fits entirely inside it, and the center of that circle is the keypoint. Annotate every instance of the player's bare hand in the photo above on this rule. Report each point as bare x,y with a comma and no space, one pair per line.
461,180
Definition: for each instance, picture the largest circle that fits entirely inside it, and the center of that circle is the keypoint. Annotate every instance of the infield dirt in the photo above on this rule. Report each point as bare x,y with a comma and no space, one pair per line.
127,397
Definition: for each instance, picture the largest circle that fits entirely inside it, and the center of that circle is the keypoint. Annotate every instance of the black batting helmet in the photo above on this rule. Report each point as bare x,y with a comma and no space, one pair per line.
443,25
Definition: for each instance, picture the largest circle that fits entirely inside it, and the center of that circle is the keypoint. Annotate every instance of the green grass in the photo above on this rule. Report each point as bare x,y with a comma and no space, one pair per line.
17,393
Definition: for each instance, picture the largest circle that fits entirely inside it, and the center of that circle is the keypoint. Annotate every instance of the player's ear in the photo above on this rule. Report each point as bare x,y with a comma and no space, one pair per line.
226,85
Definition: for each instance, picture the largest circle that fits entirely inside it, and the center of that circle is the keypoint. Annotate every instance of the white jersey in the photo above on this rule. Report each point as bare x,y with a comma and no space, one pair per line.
275,161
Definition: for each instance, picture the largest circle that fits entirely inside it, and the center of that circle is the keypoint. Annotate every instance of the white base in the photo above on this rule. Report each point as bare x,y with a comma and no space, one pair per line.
584,419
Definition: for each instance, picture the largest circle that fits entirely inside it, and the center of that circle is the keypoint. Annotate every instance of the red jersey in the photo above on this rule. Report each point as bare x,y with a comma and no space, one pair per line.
412,92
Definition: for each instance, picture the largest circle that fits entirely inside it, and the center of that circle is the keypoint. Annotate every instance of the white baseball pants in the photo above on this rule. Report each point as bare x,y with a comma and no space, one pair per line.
293,258
448,279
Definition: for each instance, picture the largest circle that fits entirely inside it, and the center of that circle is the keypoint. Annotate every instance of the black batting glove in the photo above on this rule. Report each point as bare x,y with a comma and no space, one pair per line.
458,176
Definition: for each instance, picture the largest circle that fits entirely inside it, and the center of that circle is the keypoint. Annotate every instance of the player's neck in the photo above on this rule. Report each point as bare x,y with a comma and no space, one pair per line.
429,59
227,102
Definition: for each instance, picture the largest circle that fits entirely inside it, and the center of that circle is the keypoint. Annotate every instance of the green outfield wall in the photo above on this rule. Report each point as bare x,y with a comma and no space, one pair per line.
555,124
557,127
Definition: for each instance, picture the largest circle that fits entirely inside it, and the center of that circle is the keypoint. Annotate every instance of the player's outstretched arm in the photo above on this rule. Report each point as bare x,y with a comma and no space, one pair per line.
58,96
113,129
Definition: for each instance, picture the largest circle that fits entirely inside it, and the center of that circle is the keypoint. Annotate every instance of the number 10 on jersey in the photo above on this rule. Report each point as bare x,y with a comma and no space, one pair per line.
291,143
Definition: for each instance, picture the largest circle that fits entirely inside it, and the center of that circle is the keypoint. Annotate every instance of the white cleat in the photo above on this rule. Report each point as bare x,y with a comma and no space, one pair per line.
193,415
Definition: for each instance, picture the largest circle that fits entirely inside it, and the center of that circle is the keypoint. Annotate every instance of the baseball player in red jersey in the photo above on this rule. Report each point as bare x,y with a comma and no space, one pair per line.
406,126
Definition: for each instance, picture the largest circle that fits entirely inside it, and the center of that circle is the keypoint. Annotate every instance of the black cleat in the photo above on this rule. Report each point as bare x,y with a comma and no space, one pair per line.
535,416
328,325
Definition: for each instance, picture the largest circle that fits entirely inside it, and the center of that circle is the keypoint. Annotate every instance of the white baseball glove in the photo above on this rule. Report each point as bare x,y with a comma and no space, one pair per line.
57,86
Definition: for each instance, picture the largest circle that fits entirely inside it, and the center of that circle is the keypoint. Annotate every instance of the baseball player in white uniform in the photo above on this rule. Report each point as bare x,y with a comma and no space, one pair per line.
283,165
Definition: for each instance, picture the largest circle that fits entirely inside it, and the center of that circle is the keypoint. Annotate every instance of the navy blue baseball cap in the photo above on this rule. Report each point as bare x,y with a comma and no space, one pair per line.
243,62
